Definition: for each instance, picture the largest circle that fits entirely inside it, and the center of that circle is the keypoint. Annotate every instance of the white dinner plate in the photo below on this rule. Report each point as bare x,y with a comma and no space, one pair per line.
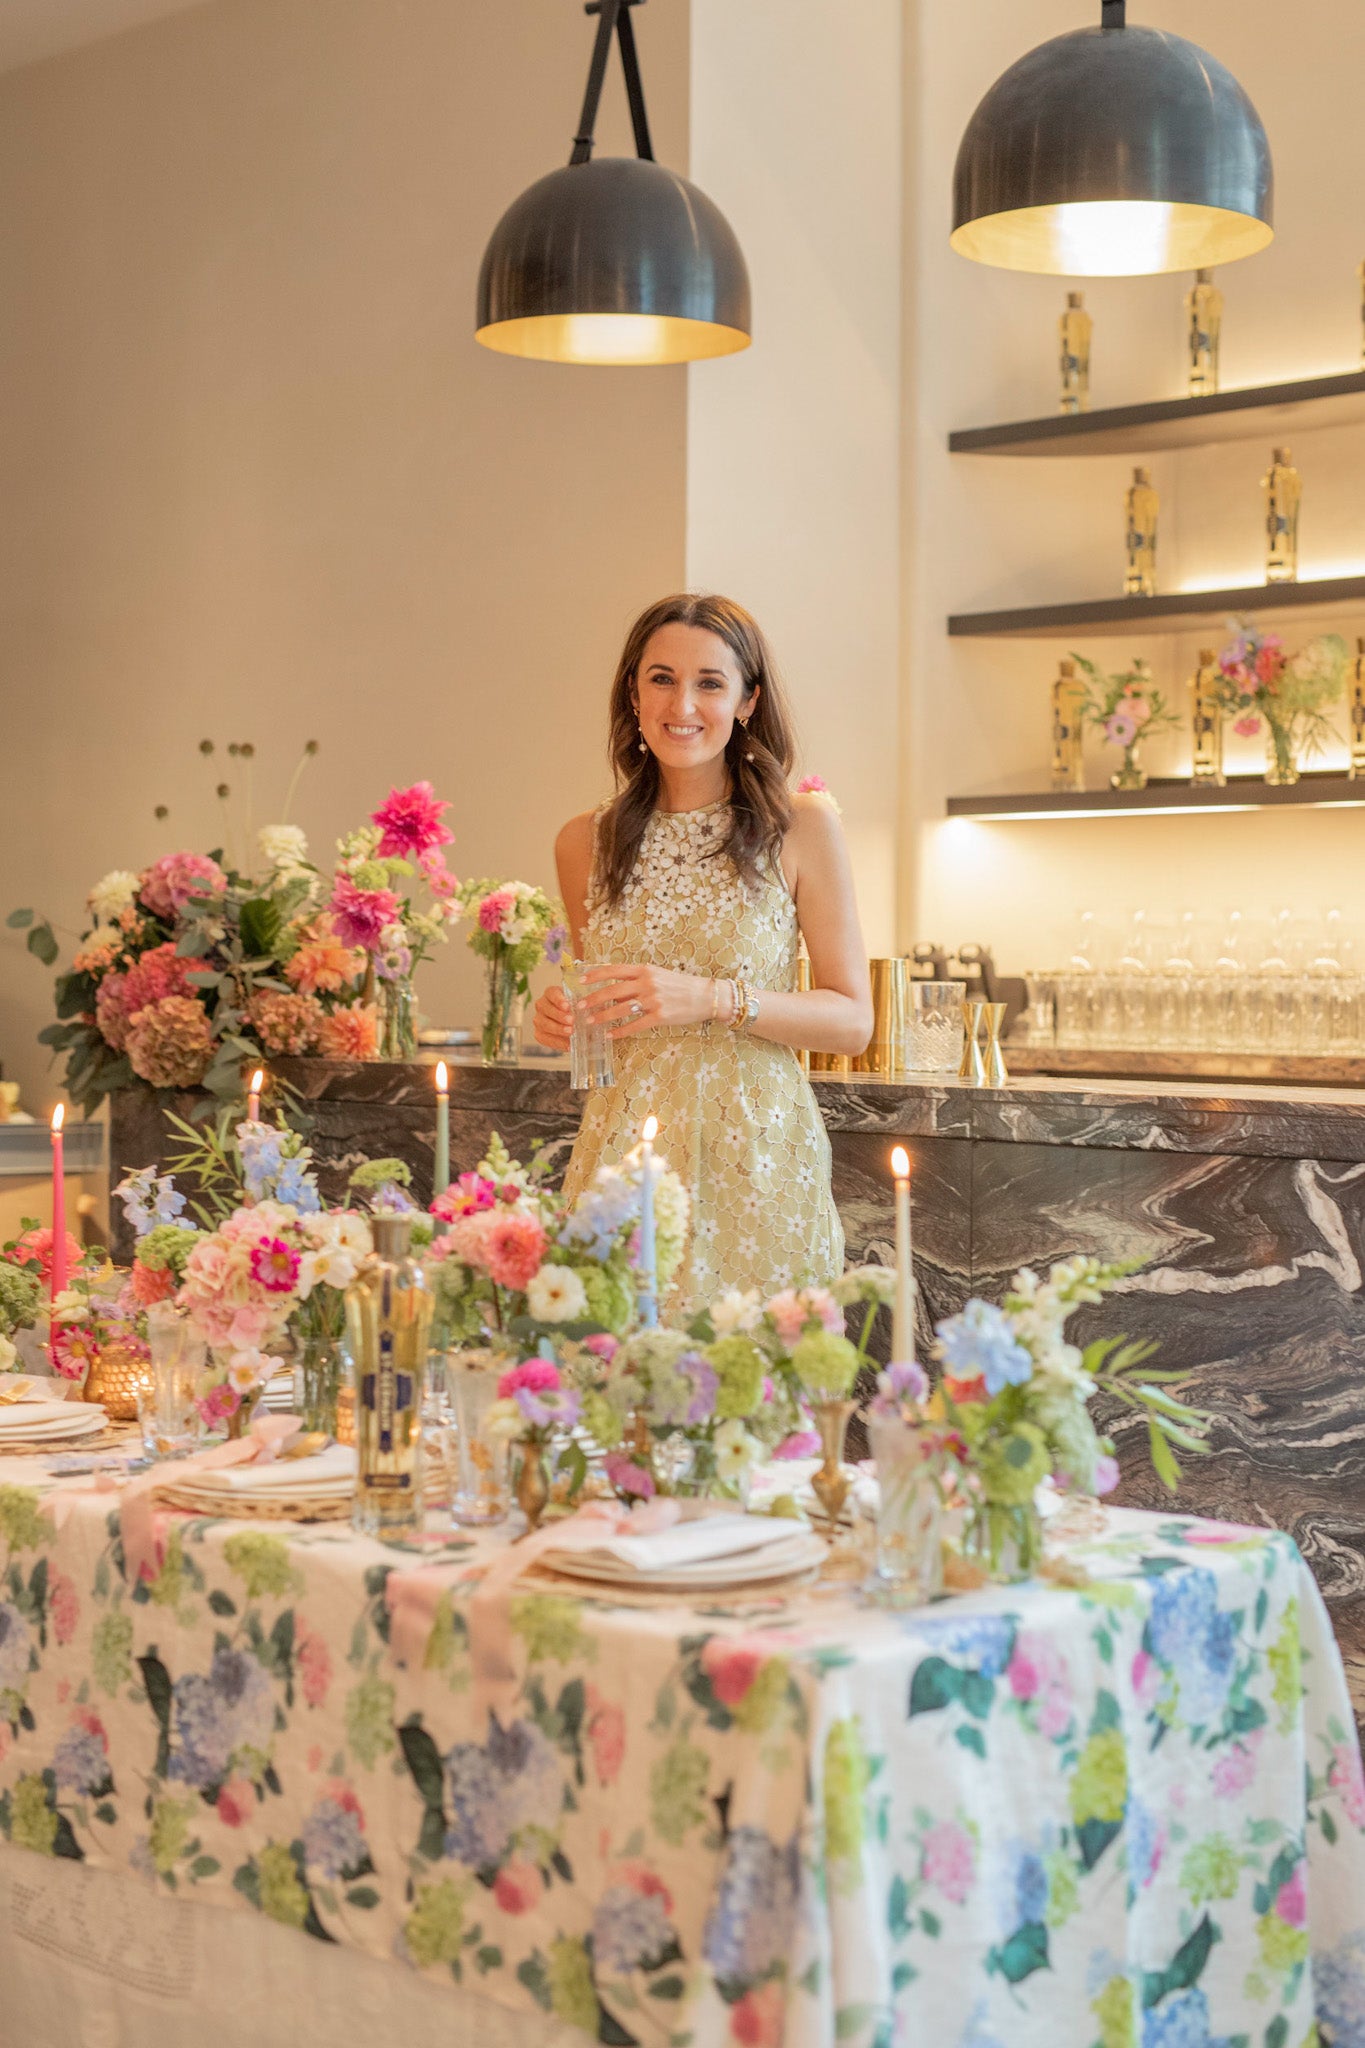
803,1552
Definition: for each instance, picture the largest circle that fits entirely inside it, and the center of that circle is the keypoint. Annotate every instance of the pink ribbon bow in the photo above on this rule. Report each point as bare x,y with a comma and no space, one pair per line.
142,1528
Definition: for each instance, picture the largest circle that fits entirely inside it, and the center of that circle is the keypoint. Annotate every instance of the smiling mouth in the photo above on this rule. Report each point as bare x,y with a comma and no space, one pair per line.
682,732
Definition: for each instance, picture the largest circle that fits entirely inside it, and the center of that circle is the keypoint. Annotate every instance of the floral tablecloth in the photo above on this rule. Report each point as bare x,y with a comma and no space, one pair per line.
1128,1813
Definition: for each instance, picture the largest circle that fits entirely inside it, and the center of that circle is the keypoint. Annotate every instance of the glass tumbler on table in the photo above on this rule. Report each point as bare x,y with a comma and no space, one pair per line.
590,1061
933,1027
167,1397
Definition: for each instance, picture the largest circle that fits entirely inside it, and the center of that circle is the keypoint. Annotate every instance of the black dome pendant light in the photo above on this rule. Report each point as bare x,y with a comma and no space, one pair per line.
1114,151
617,260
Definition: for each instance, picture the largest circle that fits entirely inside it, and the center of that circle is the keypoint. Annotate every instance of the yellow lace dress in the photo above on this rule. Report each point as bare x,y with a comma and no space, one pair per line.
737,1119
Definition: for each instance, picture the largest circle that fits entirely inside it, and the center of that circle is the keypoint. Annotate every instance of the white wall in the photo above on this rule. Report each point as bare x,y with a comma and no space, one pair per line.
793,447
987,532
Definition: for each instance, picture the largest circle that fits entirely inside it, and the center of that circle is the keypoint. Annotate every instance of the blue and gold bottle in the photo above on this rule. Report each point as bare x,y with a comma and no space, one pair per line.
388,1320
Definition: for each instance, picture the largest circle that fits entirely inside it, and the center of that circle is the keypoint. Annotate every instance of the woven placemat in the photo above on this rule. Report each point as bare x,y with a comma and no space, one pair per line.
114,1436
278,1506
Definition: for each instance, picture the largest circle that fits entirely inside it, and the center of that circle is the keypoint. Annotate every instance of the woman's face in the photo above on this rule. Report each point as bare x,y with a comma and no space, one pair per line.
688,694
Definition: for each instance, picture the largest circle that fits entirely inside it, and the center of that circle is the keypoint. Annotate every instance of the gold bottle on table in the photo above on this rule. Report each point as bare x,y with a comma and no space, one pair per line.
1203,329
1076,327
388,1320
1206,719
885,1052
1068,696
1140,506
1283,492
1356,705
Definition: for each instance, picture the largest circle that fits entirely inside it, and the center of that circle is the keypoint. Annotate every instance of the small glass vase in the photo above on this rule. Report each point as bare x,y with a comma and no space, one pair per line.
501,1042
397,1020
1281,765
1130,774
909,1567
319,1369
1005,1539
831,1483
481,1494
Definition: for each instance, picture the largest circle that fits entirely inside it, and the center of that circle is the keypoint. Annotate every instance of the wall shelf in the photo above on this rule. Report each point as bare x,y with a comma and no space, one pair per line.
1181,611
1319,788
1259,412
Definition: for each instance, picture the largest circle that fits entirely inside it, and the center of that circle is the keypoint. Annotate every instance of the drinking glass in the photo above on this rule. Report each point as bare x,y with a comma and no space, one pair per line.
482,1491
590,1061
933,1027
166,1399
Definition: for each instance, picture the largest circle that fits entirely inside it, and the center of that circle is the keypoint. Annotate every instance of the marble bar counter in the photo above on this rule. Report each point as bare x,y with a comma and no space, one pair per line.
1245,1205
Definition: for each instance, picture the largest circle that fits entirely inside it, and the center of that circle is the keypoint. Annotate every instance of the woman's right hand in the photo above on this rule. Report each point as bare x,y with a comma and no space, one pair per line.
552,1024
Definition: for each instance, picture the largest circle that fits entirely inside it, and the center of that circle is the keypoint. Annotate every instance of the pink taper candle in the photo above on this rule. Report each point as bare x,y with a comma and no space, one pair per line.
903,1323
253,1101
59,1275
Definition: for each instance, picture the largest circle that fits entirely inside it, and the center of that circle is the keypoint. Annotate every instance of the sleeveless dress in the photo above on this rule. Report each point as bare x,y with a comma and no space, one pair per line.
737,1120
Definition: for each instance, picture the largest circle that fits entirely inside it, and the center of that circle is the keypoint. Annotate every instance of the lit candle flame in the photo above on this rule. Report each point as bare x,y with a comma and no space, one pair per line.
651,1129
442,1078
258,1081
900,1163
58,1118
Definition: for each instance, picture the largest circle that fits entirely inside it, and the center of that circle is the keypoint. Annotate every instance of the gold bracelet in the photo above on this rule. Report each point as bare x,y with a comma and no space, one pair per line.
741,1005
715,1000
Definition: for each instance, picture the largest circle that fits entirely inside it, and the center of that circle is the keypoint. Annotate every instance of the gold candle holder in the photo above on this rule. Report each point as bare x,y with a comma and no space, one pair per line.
973,1068
884,1053
993,1059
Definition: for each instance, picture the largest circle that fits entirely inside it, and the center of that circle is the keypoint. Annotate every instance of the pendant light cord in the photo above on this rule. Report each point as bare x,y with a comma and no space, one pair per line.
1113,13
614,19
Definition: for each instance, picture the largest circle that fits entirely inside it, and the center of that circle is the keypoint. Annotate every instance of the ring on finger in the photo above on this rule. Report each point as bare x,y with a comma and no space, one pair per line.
637,1010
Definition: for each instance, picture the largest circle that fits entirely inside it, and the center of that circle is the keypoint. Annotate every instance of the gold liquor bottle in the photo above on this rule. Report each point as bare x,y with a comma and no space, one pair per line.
1140,511
1283,491
1206,718
1356,771
1203,326
388,1320
1076,327
1068,695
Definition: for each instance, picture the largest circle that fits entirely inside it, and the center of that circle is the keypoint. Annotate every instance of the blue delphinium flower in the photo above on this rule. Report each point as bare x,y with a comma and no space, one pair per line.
602,1212
262,1154
980,1344
149,1198
295,1185
749,1926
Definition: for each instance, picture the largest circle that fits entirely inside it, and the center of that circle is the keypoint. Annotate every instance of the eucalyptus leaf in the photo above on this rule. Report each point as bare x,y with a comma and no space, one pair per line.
19,920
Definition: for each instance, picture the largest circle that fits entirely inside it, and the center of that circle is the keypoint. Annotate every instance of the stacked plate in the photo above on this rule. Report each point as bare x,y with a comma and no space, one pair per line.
316,1489
709,1554
33,1425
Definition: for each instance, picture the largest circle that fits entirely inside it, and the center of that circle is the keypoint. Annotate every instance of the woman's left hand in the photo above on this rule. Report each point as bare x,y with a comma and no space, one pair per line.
632,999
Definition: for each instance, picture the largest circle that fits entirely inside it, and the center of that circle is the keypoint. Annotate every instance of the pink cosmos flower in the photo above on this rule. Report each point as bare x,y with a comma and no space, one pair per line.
410,820
236,1802
1247,726
537,1375
362,916
732,1665
73,1351
948,1860
219,1403
314,1660
802,1443
757,2019
514,1247
63,1605
1347,1778
171,881
1291,1900
464,1197
274,1265
494,909
518,1887
628,1477
606,1736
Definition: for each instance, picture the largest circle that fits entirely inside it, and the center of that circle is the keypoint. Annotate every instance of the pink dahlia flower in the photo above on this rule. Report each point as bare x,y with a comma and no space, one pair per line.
170,1043
362,916
514,1247
36,1245
537,1375
170,882
410,820
494,909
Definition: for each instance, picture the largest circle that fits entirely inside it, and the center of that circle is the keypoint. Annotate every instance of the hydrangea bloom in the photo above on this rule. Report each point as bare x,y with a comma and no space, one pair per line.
170,882
749,1927
631,1928
80,1761
215,1716
287,1023
170,1043
334,1833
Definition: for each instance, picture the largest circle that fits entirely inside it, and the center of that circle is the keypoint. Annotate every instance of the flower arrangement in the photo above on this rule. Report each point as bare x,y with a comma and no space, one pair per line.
192,968
1258,682
1018,1394
515,927
1126,708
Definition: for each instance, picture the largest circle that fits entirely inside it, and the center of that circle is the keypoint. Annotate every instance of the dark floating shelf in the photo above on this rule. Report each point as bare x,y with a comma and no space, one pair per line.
1258,412
1182,611
1320,787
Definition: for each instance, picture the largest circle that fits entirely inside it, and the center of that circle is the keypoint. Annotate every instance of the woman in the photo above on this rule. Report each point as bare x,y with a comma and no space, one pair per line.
689,894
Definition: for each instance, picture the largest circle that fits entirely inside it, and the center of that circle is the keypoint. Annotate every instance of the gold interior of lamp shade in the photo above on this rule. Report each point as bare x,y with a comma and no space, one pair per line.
1112,237
619,338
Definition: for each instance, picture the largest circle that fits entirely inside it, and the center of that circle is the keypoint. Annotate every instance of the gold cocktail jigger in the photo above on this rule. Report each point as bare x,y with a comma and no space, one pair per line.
997,1073
883,1054
973,1067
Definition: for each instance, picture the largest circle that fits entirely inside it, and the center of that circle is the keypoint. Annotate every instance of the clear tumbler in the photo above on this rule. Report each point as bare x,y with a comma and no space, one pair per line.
590,1061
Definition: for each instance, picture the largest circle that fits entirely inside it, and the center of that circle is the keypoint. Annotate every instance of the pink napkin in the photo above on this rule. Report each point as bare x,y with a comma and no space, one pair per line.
142,1527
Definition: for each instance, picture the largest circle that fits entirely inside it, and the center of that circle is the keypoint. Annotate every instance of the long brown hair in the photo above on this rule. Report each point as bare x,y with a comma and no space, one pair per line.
758,757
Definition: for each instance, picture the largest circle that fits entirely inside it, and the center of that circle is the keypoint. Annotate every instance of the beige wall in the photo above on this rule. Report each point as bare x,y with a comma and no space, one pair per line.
257,481
992,532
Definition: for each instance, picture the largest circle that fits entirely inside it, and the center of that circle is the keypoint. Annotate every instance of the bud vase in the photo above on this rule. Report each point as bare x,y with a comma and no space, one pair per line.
397,1020
1281,767
909,1567
1131,775
502,1018
1005,1538
533,1483
831,1483
318,1370
482,1494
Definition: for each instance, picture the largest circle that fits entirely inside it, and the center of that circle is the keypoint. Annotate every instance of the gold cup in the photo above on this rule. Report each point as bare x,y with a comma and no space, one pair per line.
885,1048
973,1068
997,1073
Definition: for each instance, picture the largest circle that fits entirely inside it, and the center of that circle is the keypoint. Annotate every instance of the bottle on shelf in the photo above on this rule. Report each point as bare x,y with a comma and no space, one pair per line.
1076,328
1283,491
1068,695
1141,505
1206,720
1357,714
1203,327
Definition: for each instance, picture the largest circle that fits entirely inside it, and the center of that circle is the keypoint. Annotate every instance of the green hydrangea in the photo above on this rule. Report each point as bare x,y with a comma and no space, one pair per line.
1282,1946
1011,1466
1063,1892
611,1296
1099,1783
846,1779
33,1824
369,1719
602,1421
283,1896
21,1295
571,1987
167,1588
166,1247
677,1781
765,1699
170,1832
738,1365
1071,1436
551,1627
825,1364
1212,1869
263,1563
1285,1661
22,1522
111,1651
434,1927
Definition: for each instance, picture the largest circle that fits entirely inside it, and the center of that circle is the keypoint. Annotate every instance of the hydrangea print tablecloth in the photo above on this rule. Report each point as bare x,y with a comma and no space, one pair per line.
1129,1813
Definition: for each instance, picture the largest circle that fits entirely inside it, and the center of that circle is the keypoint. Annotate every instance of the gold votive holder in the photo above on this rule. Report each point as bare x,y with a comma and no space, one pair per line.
885,1048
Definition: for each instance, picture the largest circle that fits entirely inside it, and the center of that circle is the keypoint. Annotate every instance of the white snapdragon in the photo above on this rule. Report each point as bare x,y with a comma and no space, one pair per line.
116,892
737,1311
556,1295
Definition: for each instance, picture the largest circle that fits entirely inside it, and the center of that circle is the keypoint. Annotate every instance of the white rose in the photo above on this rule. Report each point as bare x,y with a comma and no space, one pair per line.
282,847
556,1295
737,1311
118,891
